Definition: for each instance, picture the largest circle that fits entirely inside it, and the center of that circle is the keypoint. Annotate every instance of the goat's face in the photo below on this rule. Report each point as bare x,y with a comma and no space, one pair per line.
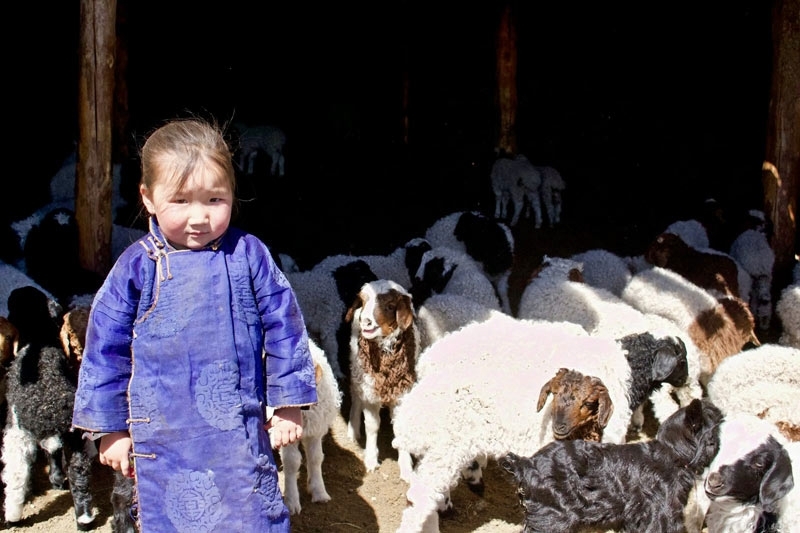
381,308
662,248
751,466
578,401
692,433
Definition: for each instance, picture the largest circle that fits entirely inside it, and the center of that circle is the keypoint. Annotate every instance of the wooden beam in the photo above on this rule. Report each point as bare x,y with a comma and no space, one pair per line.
507,99
781,169
93,180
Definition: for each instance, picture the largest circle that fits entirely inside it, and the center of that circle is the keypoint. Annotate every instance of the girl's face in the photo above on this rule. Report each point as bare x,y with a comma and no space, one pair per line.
194,215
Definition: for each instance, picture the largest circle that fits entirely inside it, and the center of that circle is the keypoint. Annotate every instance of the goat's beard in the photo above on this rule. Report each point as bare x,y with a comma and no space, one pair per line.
393,371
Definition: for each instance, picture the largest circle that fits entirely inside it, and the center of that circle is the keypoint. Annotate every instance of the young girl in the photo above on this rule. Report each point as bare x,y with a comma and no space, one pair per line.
173,379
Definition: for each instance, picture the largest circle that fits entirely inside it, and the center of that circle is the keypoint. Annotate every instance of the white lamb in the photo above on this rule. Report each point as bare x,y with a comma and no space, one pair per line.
515,180
763,381
551,193
489,242
788,311
482,403
269,139
317,421
450,271
752,252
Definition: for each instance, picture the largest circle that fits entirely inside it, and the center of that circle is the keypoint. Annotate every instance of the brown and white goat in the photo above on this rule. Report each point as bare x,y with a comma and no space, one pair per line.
710,270
384,347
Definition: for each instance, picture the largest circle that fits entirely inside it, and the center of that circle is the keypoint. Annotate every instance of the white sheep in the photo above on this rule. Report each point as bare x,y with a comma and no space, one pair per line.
788,311
763,381
450,271
317,421
604,269
482,401
489,242
444,313
515,180
551,192
752,252
264,138
556,293
691,231
12,278
718,327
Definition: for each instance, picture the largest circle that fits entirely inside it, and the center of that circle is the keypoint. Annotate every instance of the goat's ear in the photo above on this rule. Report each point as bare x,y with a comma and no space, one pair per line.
605,407
509,462
548,388
777,482
348,317
668,361
405,312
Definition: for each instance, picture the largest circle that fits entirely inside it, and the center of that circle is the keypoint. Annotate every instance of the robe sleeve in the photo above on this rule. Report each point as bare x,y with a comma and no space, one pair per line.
101,400
289,366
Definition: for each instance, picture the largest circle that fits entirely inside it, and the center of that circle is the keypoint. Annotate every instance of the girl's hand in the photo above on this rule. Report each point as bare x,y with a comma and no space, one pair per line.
114,452
285,427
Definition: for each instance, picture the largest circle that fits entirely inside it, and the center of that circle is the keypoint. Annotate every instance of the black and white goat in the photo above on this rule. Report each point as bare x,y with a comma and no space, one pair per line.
40,395
383,349
569,485
751,480
489,242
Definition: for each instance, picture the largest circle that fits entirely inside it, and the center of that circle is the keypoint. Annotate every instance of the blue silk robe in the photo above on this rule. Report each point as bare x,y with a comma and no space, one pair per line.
174,355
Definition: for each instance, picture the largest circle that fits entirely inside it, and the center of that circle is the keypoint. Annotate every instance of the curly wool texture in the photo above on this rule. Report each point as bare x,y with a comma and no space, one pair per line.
788,311
763,381
552,295
717,327
604,269
393,371
488,241
483,401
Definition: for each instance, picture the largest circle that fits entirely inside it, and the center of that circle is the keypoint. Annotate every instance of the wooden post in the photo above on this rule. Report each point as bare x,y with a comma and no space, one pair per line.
507,99
781,169
93,180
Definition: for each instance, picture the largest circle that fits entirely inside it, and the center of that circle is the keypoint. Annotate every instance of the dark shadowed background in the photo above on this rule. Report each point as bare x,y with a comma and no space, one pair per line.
646,108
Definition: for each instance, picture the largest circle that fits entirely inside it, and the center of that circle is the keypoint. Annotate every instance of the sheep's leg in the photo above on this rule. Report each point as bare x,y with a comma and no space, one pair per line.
273,161
314,458
429,490
291,459
281,164
54,448
498,205
404,460
518,204
251,162
80,453
473,475
372,423
19,454
124,505
536,206
354,422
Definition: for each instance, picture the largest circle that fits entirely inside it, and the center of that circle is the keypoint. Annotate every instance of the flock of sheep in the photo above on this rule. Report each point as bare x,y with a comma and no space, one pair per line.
428,332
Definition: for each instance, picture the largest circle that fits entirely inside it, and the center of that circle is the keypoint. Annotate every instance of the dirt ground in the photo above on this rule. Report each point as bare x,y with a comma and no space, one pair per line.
360,501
